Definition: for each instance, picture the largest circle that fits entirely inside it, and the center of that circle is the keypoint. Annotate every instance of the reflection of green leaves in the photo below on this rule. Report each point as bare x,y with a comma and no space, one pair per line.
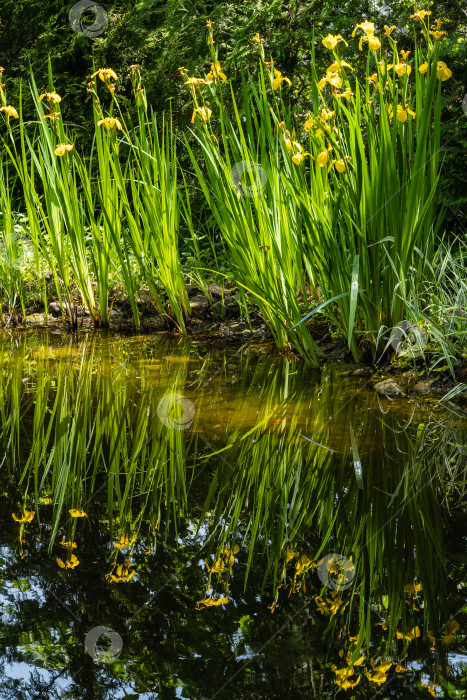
96,441
22,584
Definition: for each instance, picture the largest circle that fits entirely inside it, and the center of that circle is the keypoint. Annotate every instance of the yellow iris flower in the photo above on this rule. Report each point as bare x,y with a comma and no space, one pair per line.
368,28
10,111
198,81
62,148
27,516
105,74
389,30
401,114
402,69
216,72
51,96
298,157
373,42
442,71
336,67
109,123
279,79
204,113
421,14
330,41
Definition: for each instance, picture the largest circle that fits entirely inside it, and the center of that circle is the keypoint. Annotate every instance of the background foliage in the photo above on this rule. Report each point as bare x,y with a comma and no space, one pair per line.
162,36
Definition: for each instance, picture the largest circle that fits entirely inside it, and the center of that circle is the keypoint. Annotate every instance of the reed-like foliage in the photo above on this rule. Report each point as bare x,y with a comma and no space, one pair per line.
334,214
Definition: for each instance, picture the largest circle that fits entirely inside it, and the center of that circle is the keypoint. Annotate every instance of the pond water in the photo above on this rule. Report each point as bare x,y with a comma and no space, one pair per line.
195,520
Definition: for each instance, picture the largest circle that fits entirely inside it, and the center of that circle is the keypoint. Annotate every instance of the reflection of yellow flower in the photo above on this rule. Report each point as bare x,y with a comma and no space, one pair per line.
27,516
10,111
123,573
290,555
229,554
449,632
279,79
410,636
442,71
209,602
62,148
217,568
71,562
125,541
75,513
331,606
380,673
51,96
216,72
342,676
109,123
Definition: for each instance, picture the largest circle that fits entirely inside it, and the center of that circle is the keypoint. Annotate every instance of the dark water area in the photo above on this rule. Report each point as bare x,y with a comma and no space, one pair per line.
186,519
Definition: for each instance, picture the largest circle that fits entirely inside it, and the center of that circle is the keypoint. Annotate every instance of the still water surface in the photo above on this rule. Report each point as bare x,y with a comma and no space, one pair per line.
195,520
